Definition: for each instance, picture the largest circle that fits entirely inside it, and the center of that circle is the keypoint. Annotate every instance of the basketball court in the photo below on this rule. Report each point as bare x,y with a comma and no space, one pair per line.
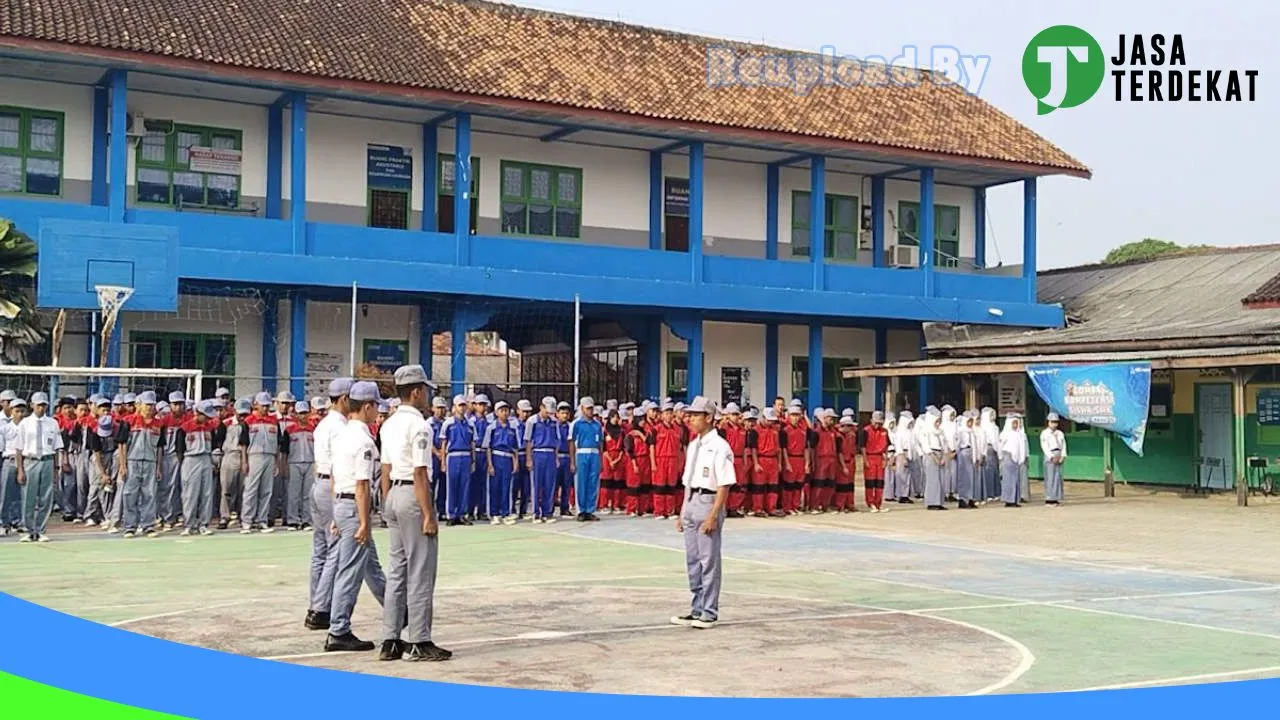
1145,589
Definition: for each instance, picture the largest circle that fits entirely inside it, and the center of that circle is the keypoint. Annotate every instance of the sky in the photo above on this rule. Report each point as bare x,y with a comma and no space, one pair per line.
1199,173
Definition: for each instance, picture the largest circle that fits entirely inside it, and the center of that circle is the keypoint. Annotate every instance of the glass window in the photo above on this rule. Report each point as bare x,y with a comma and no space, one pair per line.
30,151
164,174
946,231
541,200
840,226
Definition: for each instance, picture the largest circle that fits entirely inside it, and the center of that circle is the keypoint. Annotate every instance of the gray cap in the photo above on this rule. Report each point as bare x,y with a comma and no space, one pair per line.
549,403
702,406
1052,417
411,375
770,414
303,406
219,402
524,405
162,407
243,406
131,398
39,399
177,396
877,416
459,399
364,391
732,409
262,398
102,402
848,412
481,399
501,404
587,402
384,407
564,405
8,395
611,404
667,405
146,398
285,396
638,412
439,402
18,402
222,393
828,413
340,386
846,420
205,407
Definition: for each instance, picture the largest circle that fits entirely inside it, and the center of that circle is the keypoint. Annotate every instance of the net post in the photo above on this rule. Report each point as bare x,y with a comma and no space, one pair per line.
577,347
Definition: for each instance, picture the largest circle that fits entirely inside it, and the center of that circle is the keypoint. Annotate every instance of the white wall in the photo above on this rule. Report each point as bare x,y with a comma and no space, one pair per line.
338,157
77,104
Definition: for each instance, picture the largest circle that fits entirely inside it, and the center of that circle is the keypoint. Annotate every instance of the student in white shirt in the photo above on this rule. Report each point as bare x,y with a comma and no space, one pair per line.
40,451
708,475
10,490
1053,446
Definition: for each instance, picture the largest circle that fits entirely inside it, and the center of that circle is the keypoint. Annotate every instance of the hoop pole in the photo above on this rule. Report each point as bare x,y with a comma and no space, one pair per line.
577,347
353,329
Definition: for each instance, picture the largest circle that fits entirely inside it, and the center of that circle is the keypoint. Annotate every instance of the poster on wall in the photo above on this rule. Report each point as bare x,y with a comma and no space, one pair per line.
734,386
390,168
1268,409
321,368
386,355
1011,393
1111,396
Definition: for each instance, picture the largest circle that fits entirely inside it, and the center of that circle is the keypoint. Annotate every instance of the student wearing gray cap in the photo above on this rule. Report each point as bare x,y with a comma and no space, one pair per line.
234,465
439,409
324,556
708,475
40,457
10,490
522,480
263,449
140,433
407,460
194,443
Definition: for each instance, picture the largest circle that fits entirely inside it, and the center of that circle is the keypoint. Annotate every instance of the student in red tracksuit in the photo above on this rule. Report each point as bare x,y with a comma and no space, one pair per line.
665,451
796,464
635,446
735,434
682,424
875,442
823,444
613,473
847,447
753,503
769,454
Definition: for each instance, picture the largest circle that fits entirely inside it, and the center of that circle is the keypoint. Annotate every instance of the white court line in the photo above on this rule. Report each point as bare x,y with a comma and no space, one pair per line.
1023,556
130,621
1182,680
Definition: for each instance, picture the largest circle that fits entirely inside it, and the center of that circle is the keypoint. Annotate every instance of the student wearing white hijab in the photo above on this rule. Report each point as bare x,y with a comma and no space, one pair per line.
965,464
949,427
934,460
1053,448
922,430
990,486
1024,491
1013,460
904,443
890,460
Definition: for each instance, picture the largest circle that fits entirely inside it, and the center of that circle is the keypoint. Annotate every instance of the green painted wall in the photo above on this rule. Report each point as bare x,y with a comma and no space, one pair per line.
1168,457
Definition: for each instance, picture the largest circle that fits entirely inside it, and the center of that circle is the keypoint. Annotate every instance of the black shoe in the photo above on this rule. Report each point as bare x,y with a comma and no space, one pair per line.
426,652
591,517
346,643
582,517
467,522
482,518
391,650
1012,505
455,522
316,620
936,507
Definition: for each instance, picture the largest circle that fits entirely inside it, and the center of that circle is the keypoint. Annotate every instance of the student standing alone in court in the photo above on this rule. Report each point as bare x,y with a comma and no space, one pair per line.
708,475
1053,445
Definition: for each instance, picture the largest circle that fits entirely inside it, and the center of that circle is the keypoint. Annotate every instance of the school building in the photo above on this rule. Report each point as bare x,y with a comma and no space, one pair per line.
476,167
1207,320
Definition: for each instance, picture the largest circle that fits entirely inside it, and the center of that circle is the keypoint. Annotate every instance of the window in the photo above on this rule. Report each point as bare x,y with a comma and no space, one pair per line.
840,226
214,354
946,231
30,151
165,176
445,169
388,209
678,376
1160,414
541,200
836,391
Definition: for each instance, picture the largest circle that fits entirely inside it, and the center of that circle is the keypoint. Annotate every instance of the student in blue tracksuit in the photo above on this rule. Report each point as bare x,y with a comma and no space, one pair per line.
502,445
586,435
541,438
439,409
478,492
522,483
564,473
459,445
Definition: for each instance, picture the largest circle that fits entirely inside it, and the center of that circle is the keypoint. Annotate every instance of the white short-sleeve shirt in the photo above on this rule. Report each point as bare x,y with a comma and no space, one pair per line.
354,456
39,436
325,432
709,462
406,442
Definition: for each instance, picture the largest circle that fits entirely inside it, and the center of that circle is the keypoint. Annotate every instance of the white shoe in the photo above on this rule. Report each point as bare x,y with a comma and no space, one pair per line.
205,531
113,530
42,539
76,521
90,523
245,531
153,534
702,624
495,521
128,535
25,539
509,520
268,530
683,620
186,532
551,519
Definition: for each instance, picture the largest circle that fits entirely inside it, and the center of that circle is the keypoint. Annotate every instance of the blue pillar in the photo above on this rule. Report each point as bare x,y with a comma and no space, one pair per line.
771,212
275,161
980,227
1029,237
655,199
118,172
426,336
877,222
101,136
430,183
270,331
770,364
924,382
298,172
882,356
695,224
462,189
817,220
696,355
298,344
815,366
652,349
925,225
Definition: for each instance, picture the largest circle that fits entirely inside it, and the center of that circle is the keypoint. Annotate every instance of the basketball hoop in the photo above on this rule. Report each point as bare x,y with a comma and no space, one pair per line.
110,298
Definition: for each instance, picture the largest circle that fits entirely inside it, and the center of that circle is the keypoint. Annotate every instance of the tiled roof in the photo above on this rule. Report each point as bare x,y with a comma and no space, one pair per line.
509,53
1267,294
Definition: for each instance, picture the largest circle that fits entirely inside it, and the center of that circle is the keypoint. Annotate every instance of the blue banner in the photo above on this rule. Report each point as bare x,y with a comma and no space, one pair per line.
390,168
1111,396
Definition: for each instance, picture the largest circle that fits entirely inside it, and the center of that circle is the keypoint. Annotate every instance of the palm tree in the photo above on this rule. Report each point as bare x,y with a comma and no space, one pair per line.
20,328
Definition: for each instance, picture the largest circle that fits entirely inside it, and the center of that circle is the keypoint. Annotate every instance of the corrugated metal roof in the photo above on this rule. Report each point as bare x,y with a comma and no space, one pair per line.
1234,355
1195,296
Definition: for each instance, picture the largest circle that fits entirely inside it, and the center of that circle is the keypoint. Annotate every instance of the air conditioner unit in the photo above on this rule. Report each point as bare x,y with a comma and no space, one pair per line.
905,256
135,125
864,239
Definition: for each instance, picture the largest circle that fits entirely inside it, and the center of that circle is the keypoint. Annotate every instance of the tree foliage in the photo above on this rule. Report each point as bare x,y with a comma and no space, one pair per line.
1145,249
20,327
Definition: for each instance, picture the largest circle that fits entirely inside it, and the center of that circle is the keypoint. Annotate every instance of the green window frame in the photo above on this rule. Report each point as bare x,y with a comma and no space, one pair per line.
541,200
836,391
678,374
31,149
946,231
163,175
213,353
445,174
840,228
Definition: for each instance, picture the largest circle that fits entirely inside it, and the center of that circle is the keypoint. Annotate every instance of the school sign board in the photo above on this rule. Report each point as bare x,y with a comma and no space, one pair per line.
1111,396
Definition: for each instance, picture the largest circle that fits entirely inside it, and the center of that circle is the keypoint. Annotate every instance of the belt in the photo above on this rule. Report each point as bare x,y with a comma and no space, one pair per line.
589,451
324,476
502,453
562,454
460,453
345,496
801,455
401,483
701,491
740,457
550,450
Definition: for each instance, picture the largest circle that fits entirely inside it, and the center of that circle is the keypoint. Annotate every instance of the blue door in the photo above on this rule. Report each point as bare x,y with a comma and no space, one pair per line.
1214,419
